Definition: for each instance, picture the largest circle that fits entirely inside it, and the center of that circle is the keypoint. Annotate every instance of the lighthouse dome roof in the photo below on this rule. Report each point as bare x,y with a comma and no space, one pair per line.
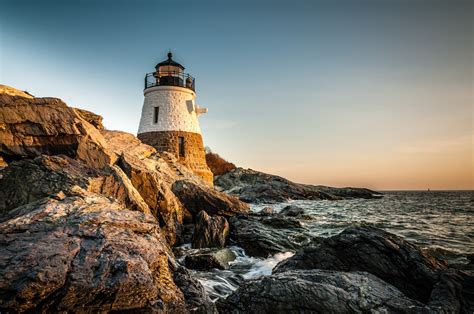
169,62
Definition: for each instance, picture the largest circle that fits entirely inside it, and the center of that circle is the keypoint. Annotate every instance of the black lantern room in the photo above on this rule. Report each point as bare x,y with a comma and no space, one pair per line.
169,73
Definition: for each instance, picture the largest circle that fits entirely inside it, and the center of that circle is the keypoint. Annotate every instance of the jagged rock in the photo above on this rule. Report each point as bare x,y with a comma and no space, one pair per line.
28,180
292,211
373,250
30,127
197,300
125,143
85,253
91,117
318,291
257,187
210,231
152,175
264,236
209,258
157,194
200,197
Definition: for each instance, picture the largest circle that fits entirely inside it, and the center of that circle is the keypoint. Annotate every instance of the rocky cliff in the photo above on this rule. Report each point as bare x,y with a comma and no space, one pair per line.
88,216
90,221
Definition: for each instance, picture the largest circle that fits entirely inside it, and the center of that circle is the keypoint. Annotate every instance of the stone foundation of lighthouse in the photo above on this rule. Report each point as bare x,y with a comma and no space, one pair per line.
168,141
169,122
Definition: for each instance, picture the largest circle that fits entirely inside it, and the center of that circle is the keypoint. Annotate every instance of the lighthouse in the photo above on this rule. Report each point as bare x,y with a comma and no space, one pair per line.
169,120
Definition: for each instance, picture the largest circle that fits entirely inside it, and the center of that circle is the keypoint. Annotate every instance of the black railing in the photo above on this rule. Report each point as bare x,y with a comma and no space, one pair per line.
171,78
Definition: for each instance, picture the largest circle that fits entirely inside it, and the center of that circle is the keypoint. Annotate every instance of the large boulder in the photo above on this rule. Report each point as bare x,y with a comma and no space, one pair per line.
196,197
209,258
373,250
264,235
257,187
85,253
318,291
210,231
33,126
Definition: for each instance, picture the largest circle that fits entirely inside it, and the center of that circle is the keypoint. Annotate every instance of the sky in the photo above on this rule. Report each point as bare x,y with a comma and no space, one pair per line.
375,94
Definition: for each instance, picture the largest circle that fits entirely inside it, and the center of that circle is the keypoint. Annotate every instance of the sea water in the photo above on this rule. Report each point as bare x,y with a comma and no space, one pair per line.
440,222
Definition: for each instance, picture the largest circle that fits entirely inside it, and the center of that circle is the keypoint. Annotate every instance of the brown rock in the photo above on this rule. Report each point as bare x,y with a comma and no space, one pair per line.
198,197
217,164
85,253
152,175
3,163
90,117
4,89
125,143
210,231
33,126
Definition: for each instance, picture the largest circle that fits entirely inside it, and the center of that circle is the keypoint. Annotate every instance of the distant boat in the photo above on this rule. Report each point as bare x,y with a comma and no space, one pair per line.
429,190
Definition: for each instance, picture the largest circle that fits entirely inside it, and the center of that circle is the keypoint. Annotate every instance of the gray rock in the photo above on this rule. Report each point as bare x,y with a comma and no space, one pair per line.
262,236
208,259
373,250
257,187
318,291
210,231
292,211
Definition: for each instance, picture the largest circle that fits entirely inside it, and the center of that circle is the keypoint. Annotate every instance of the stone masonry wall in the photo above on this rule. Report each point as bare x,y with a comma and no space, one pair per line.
195,157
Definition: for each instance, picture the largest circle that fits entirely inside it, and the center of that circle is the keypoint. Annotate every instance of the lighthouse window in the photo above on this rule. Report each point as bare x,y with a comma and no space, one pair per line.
155,114
181,146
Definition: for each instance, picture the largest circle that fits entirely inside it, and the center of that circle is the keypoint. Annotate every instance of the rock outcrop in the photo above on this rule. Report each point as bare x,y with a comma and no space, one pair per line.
33,126
210,231
373,250
257,187
199,197
363,269
264,235
318,291
88,216
29,180
85,253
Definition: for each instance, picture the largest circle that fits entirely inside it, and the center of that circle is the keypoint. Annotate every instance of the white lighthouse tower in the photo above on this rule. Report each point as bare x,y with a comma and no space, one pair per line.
169,120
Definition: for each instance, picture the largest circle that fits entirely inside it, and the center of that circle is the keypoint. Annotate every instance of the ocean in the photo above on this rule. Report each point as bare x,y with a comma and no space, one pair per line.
441,222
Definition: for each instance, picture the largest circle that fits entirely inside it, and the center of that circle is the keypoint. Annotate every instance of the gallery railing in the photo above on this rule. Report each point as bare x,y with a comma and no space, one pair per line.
171,78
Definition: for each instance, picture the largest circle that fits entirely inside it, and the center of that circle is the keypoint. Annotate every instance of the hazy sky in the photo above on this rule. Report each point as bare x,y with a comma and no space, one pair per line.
345,93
